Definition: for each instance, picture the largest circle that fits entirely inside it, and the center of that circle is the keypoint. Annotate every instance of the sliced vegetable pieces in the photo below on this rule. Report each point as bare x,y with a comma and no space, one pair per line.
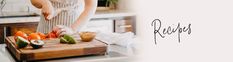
67,39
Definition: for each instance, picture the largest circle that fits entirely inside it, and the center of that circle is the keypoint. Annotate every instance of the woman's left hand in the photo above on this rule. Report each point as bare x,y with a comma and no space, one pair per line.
61,30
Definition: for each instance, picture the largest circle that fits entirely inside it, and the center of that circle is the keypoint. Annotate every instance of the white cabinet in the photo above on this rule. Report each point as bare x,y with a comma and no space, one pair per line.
112,21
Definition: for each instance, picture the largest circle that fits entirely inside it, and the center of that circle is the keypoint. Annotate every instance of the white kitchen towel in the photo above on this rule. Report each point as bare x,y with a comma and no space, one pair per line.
121,39
125,40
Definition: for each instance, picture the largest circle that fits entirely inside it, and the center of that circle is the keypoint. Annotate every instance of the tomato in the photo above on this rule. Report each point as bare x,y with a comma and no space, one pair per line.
52,35
34,36
21,34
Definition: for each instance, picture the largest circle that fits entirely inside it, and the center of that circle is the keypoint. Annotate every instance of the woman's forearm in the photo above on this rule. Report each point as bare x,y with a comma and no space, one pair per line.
40,3
89,11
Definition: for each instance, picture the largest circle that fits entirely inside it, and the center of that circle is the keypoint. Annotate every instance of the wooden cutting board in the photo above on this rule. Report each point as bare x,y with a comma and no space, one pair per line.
54,49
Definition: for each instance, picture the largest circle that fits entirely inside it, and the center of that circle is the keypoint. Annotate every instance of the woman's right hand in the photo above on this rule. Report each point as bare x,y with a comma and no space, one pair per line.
48,11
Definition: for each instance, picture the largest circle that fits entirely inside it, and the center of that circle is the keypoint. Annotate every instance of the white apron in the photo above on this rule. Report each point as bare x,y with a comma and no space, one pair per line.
71,9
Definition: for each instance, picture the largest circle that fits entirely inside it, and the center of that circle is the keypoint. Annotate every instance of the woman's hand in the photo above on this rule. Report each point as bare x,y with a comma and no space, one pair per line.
61,30
48,11
46,8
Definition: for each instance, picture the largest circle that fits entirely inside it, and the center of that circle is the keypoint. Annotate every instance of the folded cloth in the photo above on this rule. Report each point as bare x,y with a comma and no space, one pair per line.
126,40
123,39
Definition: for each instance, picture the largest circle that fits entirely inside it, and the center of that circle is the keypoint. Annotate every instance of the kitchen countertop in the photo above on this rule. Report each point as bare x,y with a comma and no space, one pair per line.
116,54
19,20
99,14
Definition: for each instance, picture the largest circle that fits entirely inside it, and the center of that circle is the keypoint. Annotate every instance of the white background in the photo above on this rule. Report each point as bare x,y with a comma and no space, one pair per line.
211,39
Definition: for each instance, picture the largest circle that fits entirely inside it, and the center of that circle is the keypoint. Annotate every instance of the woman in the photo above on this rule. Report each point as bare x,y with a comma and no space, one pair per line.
64,16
